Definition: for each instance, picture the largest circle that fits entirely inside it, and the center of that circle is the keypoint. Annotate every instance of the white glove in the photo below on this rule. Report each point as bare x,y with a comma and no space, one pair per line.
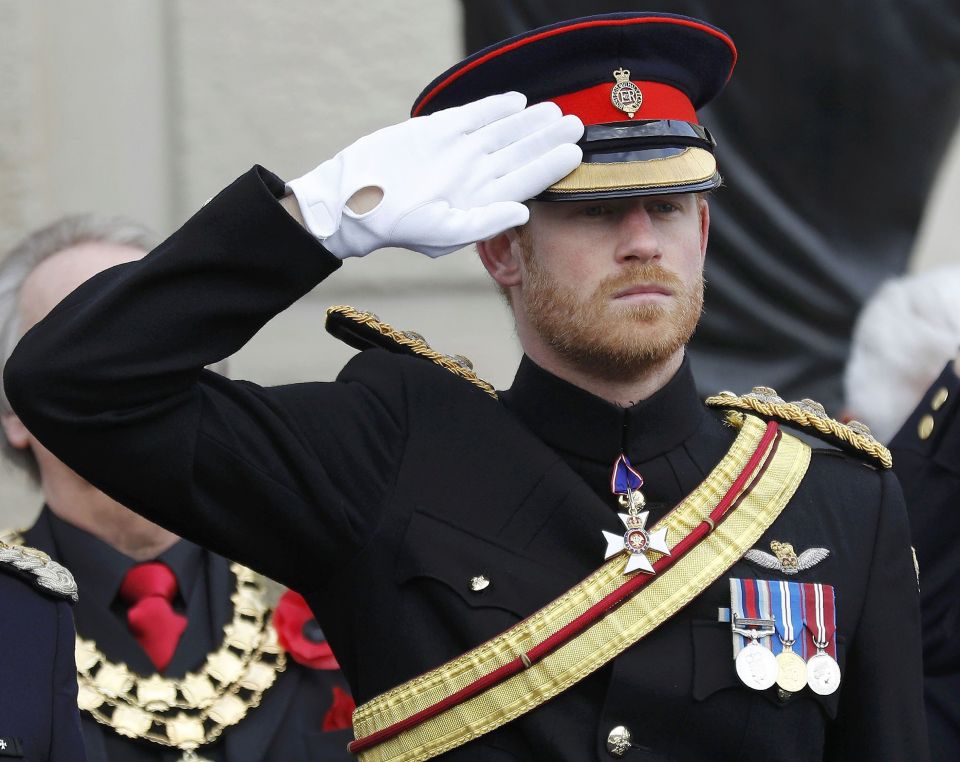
448,179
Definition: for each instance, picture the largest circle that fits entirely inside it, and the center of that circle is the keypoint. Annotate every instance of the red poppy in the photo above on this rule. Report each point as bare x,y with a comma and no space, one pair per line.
340,714
299,633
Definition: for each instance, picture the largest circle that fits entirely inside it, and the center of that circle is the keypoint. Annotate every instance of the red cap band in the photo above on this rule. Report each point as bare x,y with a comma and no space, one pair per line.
594,106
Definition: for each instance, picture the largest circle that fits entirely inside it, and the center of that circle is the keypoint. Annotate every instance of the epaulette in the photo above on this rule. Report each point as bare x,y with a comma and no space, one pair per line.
364,330
810,417
36,566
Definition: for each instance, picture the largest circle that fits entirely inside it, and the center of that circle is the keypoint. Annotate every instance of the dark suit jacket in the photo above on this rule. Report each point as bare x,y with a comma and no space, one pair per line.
381,495
927,461
38,684
286,726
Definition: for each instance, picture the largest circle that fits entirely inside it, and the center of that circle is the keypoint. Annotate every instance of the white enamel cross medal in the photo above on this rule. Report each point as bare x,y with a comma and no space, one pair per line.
626,482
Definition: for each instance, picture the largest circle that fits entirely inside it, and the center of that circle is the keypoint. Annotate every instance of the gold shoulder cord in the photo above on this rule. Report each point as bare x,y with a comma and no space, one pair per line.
193,711
810,416
414,342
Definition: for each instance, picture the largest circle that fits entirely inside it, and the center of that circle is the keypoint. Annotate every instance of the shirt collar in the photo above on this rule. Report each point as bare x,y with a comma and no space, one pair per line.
571,419
99,568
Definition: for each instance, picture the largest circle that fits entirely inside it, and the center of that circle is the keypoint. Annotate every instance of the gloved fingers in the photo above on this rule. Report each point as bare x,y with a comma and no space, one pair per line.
482,222
524,182
472,116
565,131
504,132
438,229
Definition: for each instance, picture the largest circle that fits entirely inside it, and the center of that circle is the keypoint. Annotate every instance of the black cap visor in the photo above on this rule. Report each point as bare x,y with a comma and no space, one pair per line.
640,159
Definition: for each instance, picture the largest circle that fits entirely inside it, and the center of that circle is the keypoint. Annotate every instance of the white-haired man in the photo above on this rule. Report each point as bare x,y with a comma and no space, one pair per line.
156,622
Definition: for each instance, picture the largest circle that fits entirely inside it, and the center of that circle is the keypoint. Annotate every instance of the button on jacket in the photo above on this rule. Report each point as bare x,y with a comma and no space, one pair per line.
382,495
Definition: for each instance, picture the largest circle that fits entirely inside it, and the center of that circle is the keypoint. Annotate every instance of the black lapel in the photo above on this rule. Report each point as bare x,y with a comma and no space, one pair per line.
93,739
250,740
196,643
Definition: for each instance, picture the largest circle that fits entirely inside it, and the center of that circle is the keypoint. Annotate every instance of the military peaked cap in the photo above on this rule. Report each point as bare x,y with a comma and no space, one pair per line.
636,81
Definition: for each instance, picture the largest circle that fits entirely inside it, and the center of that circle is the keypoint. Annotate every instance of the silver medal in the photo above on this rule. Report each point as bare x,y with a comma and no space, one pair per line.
823,673
757,666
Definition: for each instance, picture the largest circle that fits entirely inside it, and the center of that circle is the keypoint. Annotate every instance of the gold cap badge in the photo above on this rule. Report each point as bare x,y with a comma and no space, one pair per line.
625,95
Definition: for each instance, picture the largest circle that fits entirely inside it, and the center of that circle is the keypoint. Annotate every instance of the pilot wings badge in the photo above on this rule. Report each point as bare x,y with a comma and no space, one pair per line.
786,559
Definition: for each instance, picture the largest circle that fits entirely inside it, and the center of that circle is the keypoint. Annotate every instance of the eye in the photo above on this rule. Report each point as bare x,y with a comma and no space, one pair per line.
595,210
663,207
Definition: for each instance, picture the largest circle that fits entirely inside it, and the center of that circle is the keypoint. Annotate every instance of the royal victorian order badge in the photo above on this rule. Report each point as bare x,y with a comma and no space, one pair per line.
638,541
626,482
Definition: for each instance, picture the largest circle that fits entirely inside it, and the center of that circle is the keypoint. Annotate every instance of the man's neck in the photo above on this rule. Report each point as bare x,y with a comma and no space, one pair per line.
622,392
84,506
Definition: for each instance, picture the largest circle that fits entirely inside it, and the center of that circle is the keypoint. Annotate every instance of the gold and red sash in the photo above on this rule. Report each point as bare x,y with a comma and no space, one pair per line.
597,619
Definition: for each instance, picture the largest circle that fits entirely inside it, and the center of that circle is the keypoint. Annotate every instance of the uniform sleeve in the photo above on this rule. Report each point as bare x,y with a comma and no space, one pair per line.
881,712
288,480
66,739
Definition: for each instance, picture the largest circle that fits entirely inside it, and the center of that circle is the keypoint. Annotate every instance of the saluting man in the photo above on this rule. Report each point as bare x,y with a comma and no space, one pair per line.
706,585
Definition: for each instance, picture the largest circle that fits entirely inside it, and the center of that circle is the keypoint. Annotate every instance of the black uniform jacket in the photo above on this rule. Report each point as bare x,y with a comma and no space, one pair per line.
39,721
381,495
288,723
926,458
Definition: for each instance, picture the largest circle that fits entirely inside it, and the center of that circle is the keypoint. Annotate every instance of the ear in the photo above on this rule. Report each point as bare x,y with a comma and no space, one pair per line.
501,256
17,434
704,206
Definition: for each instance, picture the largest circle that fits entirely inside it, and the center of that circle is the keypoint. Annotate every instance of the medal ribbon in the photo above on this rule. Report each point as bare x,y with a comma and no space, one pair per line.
788,613
624,478
750,599
737,611
763,607
819,618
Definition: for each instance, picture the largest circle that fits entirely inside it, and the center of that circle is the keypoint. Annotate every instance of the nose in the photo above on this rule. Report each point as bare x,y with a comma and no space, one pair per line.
637,239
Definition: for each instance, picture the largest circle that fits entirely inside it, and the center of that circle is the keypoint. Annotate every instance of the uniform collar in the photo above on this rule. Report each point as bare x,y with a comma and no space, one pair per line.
573,420
100,568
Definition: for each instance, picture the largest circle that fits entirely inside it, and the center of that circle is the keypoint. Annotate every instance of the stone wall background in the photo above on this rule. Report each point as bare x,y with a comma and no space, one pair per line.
148,108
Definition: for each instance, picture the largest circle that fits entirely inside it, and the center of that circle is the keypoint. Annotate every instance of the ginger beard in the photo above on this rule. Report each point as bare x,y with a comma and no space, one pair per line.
604,339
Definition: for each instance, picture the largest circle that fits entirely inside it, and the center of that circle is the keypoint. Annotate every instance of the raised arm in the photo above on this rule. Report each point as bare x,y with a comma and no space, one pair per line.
112,381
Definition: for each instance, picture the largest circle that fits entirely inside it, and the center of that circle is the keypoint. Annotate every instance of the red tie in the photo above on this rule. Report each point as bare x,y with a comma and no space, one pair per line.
148,589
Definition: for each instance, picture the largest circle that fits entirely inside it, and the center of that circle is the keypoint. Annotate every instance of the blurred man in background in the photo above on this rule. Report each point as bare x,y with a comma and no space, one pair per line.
177,650
903,337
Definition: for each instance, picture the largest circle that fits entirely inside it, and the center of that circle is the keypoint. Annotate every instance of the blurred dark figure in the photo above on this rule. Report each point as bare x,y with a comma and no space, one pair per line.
829,138
926,458
39,720
901,340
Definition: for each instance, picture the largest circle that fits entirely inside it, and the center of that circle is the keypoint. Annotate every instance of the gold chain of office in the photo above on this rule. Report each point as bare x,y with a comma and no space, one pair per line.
192,711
